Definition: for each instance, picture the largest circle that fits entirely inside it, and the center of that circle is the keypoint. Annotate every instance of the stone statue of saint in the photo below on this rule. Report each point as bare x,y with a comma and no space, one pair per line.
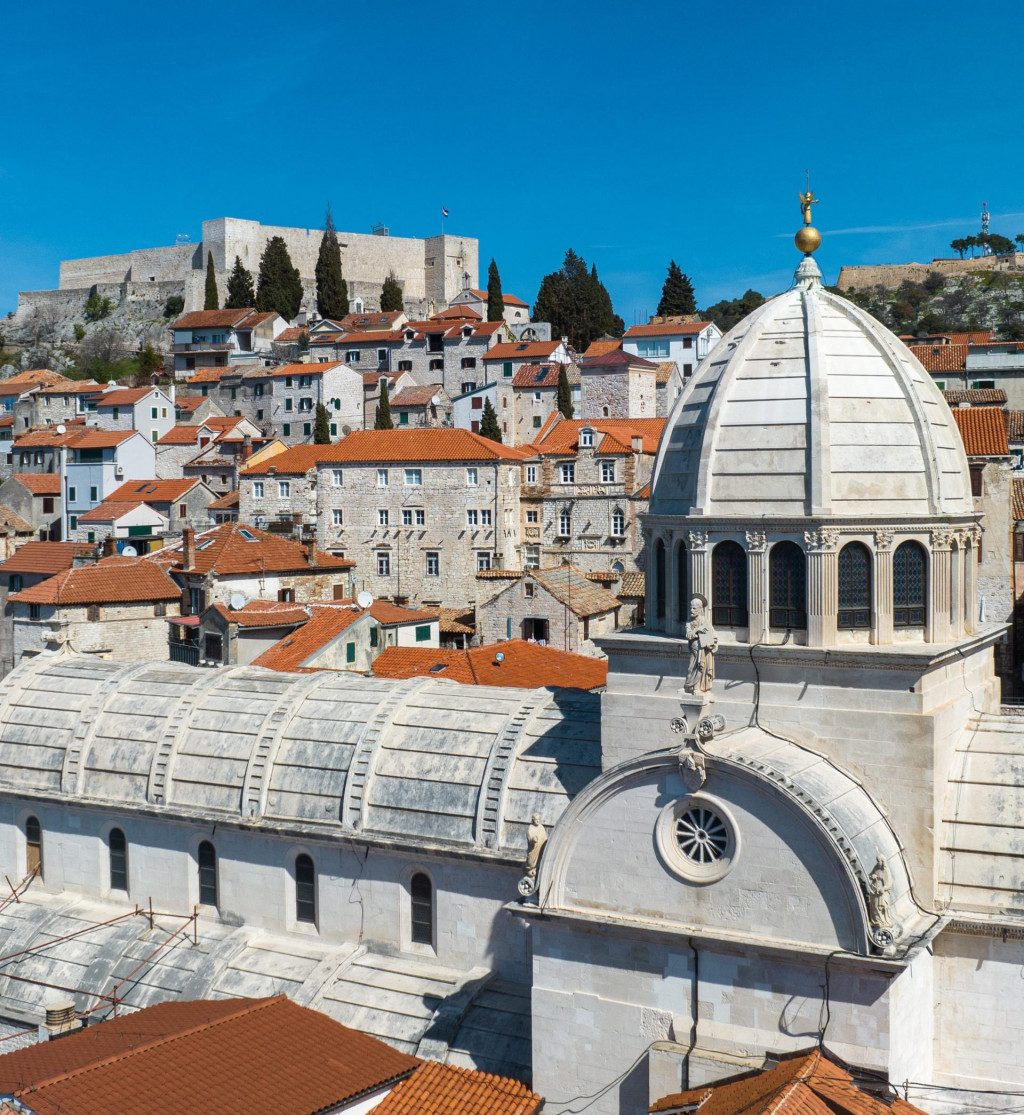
703,642
536,838
879,898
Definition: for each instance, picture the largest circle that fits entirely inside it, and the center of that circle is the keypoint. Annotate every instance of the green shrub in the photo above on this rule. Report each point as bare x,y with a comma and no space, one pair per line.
174,305
79,330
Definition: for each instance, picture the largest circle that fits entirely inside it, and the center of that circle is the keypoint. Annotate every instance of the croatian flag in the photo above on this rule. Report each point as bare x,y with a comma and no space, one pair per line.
444,212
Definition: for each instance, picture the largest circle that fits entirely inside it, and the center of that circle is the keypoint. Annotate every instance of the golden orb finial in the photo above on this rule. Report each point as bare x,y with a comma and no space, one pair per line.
808,238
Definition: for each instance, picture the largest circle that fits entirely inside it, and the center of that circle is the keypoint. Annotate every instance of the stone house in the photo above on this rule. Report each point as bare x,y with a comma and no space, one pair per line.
122,524
618,385
282,401
420,511
364,351
179,503
35,498
115,609
584,491
421,406
182,444
557,607
516,312
19,393
146,409
14,533
685,343
191,410
396,381
526,402
217,338
64,402
38,449
224,509
505,359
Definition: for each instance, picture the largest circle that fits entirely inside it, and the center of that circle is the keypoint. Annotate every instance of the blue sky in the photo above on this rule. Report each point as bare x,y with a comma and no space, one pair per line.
631,133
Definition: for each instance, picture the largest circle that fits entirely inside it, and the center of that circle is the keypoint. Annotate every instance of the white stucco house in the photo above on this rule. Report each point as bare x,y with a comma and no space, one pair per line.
684,343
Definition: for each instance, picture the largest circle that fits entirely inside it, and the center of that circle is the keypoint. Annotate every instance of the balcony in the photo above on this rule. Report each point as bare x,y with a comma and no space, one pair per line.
205,346
183,652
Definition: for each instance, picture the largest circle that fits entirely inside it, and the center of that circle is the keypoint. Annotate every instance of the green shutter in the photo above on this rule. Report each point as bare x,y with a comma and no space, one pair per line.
350,652
423,633
373,636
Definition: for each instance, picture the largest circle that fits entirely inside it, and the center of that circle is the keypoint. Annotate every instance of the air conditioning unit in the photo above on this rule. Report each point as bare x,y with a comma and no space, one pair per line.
119,471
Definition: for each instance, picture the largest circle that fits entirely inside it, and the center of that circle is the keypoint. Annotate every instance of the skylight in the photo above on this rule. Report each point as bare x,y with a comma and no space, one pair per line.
248,536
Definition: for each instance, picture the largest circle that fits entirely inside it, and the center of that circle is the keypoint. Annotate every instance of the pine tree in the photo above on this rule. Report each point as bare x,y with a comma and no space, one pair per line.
576,304
564,393
241,295
322,426
382,418
677,295
391,295
331,288
489,427
280,285
150,360
212,295
495,302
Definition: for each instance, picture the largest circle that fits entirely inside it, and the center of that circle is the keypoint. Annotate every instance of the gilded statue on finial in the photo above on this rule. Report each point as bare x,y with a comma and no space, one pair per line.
806,201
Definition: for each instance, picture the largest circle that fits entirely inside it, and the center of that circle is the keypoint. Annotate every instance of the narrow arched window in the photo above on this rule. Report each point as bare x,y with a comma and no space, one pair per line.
729,585
968,578
659,579
117,847
618,523
422,892
305,889
33,847
682,581
909,585
787,575
207,874
854,586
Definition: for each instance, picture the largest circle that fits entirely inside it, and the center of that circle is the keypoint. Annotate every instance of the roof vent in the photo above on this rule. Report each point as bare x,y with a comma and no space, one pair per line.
60,1019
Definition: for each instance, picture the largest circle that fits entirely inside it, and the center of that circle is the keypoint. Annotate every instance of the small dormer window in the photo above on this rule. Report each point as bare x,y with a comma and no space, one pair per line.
586,439
467,331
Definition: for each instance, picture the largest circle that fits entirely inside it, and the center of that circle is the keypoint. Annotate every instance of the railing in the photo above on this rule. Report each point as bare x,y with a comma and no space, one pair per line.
184,652
205,346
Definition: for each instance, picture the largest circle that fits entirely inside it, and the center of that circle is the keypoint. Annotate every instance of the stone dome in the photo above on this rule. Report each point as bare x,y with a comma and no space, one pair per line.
810,407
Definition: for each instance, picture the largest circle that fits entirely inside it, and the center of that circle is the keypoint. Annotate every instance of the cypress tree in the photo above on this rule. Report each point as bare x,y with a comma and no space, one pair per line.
241,295
331,288
495,302
212,301
280,285
677,295
382,417
391,295
489,427
564,393
322,426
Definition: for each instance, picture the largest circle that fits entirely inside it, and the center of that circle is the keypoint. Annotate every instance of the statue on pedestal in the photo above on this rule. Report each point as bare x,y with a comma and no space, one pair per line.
536,838
703,643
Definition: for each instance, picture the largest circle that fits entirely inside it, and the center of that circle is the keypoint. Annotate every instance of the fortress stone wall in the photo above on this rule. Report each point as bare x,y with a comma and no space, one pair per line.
890,275
431,271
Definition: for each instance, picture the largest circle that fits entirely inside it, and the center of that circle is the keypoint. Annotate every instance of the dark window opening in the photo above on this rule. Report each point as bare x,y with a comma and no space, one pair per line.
207,874
535,629
33,847
118,848
422,892
305,889
854,586
909,585
659,580
787,575
682,577
729,585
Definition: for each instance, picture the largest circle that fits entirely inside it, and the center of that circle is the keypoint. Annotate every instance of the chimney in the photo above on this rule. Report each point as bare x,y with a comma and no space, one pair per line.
60,1019
246,447
109,546
188,548
638,443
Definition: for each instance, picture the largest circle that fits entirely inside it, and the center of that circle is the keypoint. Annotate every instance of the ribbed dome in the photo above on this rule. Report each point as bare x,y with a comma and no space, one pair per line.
811,407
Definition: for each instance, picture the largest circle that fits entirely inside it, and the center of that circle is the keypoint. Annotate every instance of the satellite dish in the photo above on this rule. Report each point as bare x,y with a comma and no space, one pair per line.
237,602
435,401
62,429
364,599
499,657
129,551
346,430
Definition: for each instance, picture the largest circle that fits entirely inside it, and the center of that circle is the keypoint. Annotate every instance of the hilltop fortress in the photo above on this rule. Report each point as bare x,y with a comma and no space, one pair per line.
431,271
890,275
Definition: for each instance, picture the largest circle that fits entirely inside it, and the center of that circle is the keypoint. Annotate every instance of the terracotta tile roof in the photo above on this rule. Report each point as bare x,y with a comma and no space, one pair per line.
234,548
983,431
978,337
213,375
440,444
453,621
199,1056
188,434
371,379
976,396
667,329
457,313
292,333
368,337
525,666
110,510
665,370
73,387
801,1084
9,521
427,326
114,580
6,420
124,397
212,319
532,351
537,375
190,402
436,1089
601,347
36,378
264,613
292,370
562,437
39,483
294,651
1018,499
616,358
1014,420
579,594
644,492
415,396
392,615
508,299
226,502
632,584
364,322
74,437
941,358
154,491
45,557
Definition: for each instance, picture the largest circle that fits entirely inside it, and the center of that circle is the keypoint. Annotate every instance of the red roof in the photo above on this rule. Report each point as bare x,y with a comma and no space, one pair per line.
456,313
214,375
26,381
941,358
190,402
200,1056
439,444
124,397
213,319
668,329
600,348
114,580
234,548
537,375
292,652
40,483
615,435
436,1089
226,502
801,1084
154,491
74,387
983,430
415,396
264,613
45,557
292,370
525,666
616,357
508,299
532,351
110,510
368,322
369,337
74,437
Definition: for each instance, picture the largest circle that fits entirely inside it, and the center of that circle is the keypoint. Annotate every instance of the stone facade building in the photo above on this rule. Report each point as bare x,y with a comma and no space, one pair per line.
618,385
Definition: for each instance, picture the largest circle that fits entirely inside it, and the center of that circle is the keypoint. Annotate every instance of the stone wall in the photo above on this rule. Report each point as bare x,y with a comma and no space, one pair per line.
890,275
123,632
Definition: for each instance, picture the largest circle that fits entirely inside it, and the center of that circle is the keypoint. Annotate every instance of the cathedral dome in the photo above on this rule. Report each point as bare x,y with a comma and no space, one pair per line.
810,407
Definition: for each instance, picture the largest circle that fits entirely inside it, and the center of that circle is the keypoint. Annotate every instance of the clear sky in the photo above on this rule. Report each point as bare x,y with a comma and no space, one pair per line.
633,133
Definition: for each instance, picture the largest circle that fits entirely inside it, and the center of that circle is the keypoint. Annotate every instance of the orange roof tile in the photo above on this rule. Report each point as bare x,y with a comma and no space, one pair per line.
109,510
525,666
296,649
226,502
369,337
508,299
533,351
192,1056
292,370
264,613
114,580
983,431
801,1084
941,358
436,1089
124,397
456,313
45,557
1014,420
537,375
976,396
562,437
214,375
453,621
74,437
234,548
74,387
40,483
370,322
667,329
212,319
1018,498
602,348
190,402
415,396
154,491
35,378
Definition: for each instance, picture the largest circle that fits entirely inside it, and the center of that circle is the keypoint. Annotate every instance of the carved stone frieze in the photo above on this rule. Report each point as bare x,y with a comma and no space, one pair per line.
941,538
757,541
822,540
697,539
883,540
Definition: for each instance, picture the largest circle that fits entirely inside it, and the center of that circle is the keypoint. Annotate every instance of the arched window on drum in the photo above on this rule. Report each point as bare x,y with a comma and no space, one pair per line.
909,585
787,577
729,585
854,587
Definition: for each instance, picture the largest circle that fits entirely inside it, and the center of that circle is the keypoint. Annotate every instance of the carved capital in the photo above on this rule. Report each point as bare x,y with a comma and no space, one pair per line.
822,540
757,541
941,538
883,540
697,539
